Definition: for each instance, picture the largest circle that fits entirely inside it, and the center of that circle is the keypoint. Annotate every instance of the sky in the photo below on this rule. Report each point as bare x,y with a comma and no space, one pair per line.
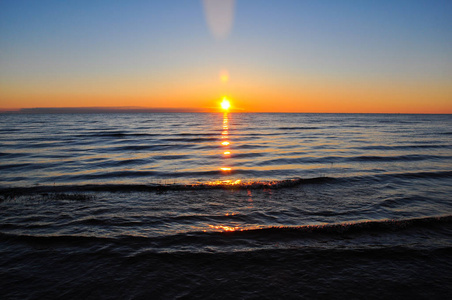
386,56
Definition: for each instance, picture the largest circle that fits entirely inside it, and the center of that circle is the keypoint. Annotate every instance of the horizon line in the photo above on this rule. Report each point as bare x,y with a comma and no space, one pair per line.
138,109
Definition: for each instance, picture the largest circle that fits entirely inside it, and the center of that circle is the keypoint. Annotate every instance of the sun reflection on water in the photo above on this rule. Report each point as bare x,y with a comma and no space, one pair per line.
224,182
225,144
226,228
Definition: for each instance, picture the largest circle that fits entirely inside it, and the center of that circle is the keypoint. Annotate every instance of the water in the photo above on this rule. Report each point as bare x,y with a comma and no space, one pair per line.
225,206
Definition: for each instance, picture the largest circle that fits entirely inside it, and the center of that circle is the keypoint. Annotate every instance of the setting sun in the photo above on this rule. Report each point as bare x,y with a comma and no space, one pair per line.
225,104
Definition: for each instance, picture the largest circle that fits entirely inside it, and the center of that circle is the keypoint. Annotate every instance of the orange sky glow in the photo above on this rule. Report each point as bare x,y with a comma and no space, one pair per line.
296,61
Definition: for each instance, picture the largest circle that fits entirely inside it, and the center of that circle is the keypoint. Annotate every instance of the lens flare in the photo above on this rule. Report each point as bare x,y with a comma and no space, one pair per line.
219,17
224,76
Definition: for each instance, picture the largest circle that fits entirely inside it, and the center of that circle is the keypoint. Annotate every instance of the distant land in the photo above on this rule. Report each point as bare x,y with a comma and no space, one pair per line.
97,110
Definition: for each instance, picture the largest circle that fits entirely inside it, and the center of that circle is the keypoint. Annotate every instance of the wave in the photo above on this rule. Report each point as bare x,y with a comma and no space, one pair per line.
4,155
398,158
441,174
339,159
420,175
219,184
9,192
115,134
370,226
299,128
224,235
403,147
190,140
178,136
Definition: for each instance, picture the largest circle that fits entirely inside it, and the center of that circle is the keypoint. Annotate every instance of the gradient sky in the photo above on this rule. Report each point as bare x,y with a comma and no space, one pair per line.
282,56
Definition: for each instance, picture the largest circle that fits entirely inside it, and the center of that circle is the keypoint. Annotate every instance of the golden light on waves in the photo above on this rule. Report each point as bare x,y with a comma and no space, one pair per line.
226,228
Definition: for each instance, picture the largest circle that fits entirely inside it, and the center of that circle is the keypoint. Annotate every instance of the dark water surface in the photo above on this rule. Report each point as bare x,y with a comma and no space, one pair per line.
237,206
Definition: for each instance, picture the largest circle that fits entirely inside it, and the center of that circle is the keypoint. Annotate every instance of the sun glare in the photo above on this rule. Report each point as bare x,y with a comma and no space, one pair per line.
225,104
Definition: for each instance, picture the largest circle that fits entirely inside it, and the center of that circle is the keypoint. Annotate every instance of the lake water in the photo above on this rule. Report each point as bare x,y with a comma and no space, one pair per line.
226,206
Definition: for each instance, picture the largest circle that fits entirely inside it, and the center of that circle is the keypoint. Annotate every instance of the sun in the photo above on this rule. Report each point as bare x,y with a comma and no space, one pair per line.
225,104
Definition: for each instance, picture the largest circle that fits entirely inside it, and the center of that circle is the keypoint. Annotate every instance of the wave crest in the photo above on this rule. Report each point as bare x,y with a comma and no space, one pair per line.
7,193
